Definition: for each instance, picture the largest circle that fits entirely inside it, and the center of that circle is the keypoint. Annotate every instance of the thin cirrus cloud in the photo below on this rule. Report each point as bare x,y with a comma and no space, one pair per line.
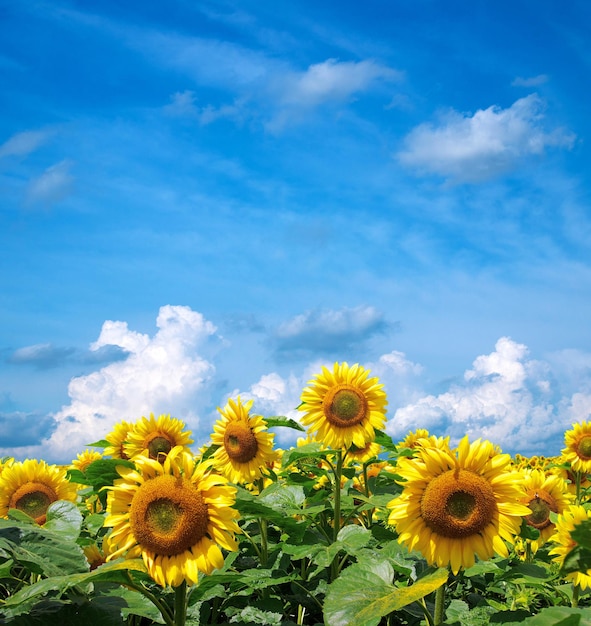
53,185
45,356
24,143
328,332
476,147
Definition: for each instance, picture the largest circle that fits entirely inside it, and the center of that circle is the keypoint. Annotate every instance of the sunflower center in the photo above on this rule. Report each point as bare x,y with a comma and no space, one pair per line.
541,505
33,499
458,503
168,515
584,447
240,442
345,405
159,446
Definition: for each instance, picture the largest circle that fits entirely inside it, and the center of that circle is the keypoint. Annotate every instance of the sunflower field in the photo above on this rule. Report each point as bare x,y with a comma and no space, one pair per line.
346,528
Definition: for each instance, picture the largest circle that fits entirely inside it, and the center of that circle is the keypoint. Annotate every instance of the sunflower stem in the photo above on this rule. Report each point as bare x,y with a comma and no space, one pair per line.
164,611
336,522
575,601
180,604
439,605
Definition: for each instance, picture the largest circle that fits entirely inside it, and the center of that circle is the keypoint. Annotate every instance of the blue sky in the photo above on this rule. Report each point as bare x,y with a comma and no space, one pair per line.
200,199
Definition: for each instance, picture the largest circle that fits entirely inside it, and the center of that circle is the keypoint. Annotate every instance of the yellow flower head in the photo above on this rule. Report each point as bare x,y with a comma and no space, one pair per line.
361,455
117,438
564,543
31,486
245,447
84,459
421,438
578,447
457,504
157,436
344,407
545,493
176,515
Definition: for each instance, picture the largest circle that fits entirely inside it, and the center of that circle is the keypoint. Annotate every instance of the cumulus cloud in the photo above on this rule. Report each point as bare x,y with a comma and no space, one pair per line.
475,147
23,143
161,374
328,332
52,186
506,397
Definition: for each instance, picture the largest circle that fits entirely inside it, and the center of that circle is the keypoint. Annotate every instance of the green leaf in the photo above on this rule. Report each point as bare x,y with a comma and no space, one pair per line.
361,596
310,451
281,420
581,533
385,441
64,519
115,572
101,443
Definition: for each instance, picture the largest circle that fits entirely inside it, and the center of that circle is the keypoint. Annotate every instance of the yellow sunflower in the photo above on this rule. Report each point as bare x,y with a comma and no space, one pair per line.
562,537
31,486
361,455
117,438
157,436
578,447
544,494
175,515
245,446
422,438
457,504
344,407
84,459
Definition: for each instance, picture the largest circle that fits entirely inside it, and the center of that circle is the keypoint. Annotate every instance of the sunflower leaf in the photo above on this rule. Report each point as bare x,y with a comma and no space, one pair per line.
64,519
362,595
281,420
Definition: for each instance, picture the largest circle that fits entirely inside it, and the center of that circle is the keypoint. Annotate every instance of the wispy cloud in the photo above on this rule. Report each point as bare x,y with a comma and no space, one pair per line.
475,147
532,81
24,143
41,355
24,429
328,332
52,186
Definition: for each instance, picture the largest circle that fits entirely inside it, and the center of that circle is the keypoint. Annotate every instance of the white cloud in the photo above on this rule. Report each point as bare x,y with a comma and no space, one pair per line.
479,146
161,374
532,81
183,104
332,81
24,143
505,398
52,186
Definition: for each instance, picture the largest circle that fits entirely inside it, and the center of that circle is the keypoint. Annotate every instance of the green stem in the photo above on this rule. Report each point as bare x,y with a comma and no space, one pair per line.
439,605
338,473
575,601
578,486
164,611
264,541
180,604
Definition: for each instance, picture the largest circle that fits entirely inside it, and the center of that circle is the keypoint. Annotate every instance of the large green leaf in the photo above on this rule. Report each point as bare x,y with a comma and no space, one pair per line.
363,594
64,519
115,572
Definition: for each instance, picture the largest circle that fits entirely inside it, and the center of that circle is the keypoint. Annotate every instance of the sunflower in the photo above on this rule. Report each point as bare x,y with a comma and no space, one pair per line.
421,437
564,543
456,504
84,459
578,447
245,447
117,438
157,436
31,486
544,494
361,455
344,407
175,515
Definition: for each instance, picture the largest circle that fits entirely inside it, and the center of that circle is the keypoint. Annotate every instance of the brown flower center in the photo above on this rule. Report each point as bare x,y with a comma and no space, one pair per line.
345,405
168,515
458,503
541,504
33,499
158,446
240,442
584,447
